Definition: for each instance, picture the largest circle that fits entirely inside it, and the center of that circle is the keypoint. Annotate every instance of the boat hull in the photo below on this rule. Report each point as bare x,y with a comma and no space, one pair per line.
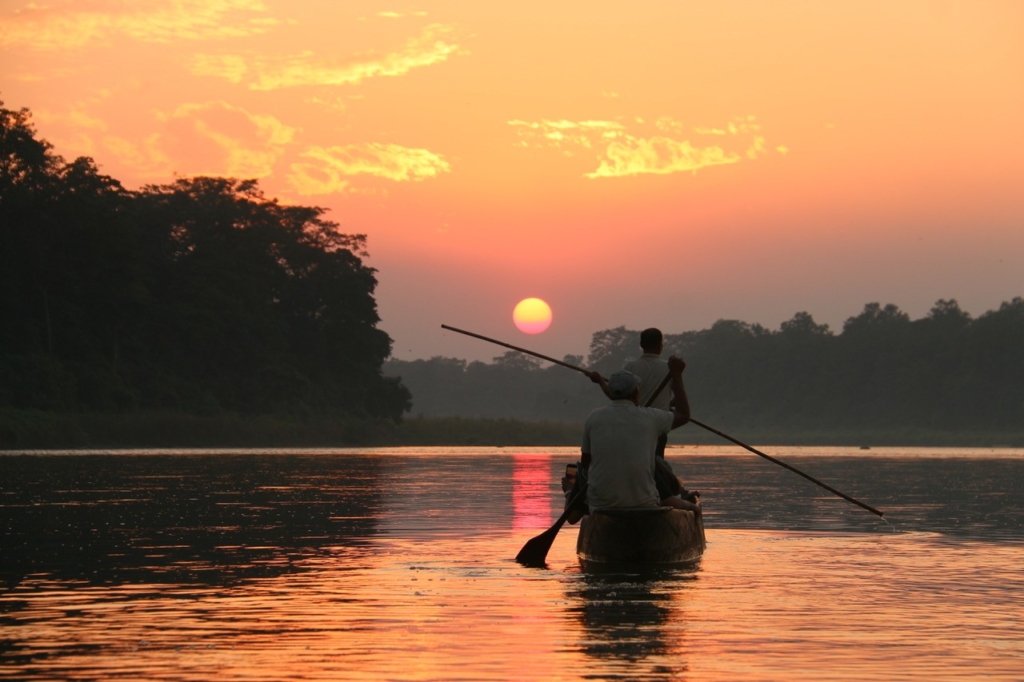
658,536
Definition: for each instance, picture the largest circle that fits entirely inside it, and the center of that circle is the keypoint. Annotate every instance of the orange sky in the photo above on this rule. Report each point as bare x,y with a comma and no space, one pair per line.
643,163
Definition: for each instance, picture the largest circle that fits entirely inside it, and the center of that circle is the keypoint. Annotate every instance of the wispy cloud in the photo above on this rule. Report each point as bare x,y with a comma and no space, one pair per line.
391,14
330,169
72,24
432,46
229,67
561,133
239,143
746,125
658,155
77,116
76,127
210,138
147,156
629,150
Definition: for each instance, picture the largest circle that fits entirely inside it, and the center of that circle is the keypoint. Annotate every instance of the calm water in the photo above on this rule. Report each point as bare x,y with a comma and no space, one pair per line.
397,565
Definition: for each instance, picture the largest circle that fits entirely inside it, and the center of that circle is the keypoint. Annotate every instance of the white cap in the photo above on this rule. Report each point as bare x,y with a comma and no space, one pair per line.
622,384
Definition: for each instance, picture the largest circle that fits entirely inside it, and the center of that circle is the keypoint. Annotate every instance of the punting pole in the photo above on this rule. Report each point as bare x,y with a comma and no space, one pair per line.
694,421
793,469
509,345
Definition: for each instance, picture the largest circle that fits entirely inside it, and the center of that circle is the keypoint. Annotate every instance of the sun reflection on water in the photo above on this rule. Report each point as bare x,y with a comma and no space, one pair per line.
531,491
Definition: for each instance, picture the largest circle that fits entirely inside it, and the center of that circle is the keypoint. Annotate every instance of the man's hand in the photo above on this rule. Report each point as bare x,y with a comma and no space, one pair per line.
680,403
599,380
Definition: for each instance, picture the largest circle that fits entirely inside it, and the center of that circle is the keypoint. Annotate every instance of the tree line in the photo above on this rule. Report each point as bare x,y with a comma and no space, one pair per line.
200,296
203,296
944,372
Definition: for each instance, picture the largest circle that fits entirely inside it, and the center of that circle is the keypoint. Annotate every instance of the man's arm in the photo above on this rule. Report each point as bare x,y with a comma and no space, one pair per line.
600,381
680,402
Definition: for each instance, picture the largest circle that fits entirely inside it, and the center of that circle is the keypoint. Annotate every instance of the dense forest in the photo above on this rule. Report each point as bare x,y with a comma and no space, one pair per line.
947,372
198,296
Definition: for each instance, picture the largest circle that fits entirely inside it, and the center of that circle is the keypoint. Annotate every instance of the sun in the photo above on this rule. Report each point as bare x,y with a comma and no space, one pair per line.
532,315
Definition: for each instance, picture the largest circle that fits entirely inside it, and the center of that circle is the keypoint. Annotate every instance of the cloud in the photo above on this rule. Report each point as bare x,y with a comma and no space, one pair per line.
71,24
228,67
332,103
757,148
432,46
330,168
669,125
211,138
660,149
399,15
658,155
147,156
76,117
561,133
228,140
77,128
711,131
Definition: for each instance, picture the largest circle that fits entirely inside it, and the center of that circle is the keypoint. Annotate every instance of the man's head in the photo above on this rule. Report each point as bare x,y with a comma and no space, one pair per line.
651,340
623,385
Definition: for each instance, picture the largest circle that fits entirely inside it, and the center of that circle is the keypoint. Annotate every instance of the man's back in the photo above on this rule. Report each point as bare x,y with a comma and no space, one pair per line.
652,369
621,439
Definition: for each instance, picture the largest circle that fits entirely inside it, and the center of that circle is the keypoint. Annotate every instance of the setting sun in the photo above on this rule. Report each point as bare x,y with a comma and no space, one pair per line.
788,173
532,315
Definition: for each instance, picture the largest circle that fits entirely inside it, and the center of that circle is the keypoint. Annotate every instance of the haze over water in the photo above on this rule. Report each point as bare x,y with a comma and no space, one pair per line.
397,564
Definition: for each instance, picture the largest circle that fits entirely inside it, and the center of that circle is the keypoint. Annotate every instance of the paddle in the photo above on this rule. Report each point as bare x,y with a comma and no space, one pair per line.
700,424
535,551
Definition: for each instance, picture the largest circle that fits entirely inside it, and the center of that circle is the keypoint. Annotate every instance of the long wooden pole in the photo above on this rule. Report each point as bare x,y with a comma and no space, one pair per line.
793,469
509,345
700,424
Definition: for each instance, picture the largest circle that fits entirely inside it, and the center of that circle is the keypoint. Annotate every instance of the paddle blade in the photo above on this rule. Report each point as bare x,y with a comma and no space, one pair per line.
535,551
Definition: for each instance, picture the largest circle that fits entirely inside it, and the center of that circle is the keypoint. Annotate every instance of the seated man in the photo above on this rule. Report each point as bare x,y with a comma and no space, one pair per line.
620,441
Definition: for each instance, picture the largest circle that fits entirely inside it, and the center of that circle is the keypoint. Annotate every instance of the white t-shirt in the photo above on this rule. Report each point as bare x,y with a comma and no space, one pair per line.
621,439
652,370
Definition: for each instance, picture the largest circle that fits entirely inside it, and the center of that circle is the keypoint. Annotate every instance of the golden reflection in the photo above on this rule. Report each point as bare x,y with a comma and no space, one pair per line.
531,491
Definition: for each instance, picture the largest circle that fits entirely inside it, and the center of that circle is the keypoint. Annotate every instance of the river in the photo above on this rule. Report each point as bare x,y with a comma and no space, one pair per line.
396,564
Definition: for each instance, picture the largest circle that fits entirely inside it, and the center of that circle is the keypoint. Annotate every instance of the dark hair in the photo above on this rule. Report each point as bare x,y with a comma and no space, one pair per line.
650,338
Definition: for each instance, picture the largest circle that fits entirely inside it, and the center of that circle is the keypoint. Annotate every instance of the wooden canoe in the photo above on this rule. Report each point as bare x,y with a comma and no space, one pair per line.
660,535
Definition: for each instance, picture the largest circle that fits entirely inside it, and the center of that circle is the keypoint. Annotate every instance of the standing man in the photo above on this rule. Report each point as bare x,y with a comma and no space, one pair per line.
620,440
652,370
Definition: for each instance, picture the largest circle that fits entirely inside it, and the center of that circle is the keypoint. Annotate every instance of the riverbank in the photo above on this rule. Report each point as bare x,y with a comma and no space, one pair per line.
32,430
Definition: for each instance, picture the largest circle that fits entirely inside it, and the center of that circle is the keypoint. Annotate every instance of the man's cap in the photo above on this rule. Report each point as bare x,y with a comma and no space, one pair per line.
622,384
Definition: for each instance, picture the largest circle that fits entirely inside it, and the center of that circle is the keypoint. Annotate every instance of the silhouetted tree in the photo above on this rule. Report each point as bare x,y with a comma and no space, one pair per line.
198,295
611,349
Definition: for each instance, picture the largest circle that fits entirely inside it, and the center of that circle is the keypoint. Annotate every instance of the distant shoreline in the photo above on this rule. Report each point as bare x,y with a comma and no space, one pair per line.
35,430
